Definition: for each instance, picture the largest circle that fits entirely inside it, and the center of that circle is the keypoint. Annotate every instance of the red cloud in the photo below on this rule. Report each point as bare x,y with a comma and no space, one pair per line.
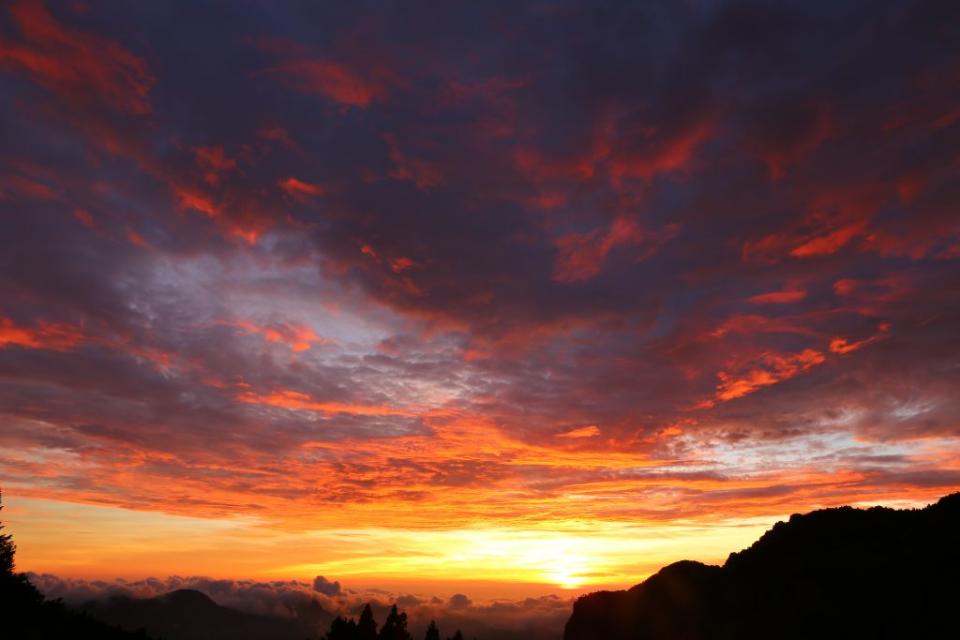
296,400
190,199
773,247
540,168
84,217
296,336
872,293
74,65
580,256
295,187
332,80
663,155
136,239
767,370
588,431
842,345
422,173
831,242
785,296
751,323
26,188
836,215
845,286
401,264
46,335
781,150
214,162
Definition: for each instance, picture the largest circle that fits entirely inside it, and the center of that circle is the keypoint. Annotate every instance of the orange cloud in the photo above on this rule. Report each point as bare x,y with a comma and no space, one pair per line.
754,323
768,370
588,431
296,336
74,65
842,345
289,399
46,335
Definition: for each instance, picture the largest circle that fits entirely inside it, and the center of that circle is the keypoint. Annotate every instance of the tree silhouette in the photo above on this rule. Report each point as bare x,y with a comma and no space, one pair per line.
14,587
25,613
457,636
7,549
367,626
433,633
395,627
342,629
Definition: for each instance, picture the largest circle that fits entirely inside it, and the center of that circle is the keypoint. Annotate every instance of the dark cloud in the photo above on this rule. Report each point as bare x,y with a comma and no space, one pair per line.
326,587
459,601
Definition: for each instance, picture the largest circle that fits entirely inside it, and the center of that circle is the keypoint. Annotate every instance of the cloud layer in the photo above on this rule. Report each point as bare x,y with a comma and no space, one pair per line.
542,617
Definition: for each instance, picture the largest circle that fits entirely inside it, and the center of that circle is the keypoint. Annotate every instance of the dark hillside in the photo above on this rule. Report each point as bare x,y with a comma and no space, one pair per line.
852,573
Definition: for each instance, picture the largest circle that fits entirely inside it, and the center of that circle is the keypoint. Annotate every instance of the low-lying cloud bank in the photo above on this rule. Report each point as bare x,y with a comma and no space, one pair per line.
540,617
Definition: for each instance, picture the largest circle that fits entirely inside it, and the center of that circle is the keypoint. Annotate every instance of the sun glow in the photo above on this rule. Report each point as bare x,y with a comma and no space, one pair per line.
566,555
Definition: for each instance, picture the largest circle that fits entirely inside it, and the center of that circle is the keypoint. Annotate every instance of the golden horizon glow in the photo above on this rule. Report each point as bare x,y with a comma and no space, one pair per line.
110,542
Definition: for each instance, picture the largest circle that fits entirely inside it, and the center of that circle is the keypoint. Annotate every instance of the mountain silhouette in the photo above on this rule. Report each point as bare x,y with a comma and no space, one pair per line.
187,614
834,573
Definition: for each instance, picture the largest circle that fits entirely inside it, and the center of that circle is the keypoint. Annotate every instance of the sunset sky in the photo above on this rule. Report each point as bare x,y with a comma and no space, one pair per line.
531,297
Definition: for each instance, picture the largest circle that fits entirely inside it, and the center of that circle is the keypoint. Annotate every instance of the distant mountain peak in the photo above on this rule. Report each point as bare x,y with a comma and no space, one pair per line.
188,614
189,597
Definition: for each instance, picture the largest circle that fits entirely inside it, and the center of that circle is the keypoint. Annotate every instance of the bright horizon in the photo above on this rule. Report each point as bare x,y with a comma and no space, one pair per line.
490,562
520,300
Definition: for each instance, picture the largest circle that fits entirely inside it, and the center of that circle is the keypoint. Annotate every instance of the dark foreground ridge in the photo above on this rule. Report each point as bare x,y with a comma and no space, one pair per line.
850,573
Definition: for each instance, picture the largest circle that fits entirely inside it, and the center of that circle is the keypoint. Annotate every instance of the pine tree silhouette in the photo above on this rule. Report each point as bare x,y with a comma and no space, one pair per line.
7,549
14,587
342,629
457,636
25,613
433,633
367,626
395,627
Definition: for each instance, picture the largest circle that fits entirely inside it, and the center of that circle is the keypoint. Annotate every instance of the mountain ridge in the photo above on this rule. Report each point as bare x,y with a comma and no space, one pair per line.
188,614
841,572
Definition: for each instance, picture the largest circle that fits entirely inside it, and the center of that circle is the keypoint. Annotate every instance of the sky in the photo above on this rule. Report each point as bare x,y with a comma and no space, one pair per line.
532,297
